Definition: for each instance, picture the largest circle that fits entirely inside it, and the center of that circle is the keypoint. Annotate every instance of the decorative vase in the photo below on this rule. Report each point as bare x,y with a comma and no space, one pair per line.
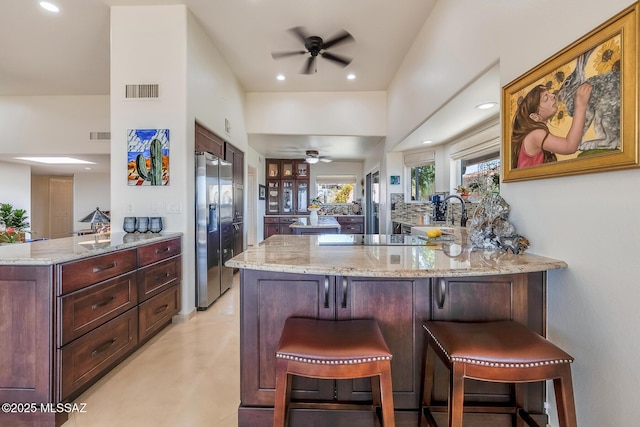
313,216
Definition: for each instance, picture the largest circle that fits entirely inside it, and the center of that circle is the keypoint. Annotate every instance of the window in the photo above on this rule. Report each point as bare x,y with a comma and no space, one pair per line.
335,188
423,182
482,174
422,174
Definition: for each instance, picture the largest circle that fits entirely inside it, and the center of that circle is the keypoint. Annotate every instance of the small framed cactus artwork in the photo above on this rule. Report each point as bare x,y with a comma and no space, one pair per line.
148,156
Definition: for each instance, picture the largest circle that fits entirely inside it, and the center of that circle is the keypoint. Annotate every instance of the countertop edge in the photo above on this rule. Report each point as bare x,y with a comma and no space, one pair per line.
57,251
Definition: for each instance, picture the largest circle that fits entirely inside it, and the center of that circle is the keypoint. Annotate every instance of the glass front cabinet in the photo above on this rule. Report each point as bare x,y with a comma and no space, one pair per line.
287,186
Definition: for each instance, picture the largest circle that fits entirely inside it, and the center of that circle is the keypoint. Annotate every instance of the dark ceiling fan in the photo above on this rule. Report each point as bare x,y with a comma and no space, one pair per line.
315,46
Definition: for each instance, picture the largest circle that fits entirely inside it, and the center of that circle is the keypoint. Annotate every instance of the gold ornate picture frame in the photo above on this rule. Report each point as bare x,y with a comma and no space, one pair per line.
607,59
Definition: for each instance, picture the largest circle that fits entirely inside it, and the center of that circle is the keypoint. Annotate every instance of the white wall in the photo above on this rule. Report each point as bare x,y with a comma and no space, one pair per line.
15,185
317,113
592,309
154,53
90,190
53,124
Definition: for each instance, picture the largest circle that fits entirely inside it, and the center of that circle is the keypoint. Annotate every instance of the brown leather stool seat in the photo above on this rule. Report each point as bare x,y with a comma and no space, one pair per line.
340,349
505,351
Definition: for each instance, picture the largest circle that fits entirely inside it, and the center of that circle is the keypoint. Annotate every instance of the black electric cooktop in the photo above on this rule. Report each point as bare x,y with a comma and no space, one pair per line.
370,240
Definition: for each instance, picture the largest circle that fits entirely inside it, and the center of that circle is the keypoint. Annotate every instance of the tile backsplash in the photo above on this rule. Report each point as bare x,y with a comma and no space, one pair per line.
413,212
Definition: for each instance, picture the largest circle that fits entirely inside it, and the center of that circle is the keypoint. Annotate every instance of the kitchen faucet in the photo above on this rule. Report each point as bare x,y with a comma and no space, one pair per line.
463,217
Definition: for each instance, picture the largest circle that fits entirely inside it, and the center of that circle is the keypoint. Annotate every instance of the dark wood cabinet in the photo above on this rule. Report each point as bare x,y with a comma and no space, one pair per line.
208,142
351,224
287,182
236,157
277,225
68,324
400,305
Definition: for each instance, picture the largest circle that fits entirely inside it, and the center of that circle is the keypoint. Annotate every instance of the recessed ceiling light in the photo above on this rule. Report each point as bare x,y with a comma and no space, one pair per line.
351,76
428,141
49,6
56,160
280,77
486,105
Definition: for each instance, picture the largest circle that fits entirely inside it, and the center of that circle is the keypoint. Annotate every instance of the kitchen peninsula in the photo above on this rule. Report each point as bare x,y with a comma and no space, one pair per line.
73,308
398,280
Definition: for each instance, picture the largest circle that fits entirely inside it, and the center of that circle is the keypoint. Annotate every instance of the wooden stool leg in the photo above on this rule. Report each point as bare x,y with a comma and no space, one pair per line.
456,394
386,395
283,389
520,402
426,389
563,387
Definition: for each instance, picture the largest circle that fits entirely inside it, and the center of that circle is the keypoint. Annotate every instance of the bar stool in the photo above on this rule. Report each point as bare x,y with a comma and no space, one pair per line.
504,351
340,349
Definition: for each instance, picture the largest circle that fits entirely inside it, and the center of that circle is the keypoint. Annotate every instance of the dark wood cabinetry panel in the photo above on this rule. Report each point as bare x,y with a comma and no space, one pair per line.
25,357
209,142
158,311
287,182
91,307
92,354
63,326
78,274
351,224
400,306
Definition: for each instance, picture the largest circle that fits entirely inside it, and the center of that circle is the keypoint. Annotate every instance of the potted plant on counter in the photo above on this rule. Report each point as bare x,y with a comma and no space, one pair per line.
463,191
13,224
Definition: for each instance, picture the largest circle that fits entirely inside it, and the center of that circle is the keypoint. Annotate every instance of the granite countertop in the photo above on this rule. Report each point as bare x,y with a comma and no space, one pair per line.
323,222
304,254
54,251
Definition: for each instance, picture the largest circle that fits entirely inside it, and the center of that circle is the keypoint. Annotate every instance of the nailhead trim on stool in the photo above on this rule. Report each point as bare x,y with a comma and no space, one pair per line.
333,349
503,351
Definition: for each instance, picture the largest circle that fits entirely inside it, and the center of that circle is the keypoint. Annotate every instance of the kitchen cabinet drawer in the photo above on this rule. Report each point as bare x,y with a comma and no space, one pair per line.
352,229
155,278
79,274
158,311
90,307
271,220
158,251
95,352
350,220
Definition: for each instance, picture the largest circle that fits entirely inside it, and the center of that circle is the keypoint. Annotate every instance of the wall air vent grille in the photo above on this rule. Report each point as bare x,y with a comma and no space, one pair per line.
100,136
146,91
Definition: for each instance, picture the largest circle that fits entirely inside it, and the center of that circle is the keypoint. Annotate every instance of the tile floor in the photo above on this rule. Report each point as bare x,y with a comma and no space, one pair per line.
186,376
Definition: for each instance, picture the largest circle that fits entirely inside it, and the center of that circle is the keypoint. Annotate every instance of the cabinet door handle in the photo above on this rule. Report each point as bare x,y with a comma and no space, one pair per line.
441,292
165,249
104,267
103,347
160,309
344,292
103,302
162,276
326,291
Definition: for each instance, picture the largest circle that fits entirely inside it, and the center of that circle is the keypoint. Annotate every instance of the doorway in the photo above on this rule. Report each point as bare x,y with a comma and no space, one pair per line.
372,183
60,207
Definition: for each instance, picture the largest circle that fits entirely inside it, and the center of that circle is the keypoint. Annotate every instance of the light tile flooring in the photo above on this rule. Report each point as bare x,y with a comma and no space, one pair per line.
187,375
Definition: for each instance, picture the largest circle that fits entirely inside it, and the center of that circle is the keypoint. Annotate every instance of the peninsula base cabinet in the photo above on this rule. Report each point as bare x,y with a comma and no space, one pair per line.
63,326
400,305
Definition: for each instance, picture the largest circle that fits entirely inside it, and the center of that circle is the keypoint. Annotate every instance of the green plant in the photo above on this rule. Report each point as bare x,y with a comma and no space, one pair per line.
14,222
463,190
154,173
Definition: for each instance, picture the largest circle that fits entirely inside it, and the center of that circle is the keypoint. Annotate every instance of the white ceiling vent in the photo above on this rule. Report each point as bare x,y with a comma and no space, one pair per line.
99,136
146,91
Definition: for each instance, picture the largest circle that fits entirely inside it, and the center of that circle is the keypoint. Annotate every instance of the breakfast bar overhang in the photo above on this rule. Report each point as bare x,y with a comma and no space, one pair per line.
400,282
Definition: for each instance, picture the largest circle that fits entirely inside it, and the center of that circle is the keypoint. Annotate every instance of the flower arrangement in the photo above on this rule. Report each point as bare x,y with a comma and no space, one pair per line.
315,203
10,235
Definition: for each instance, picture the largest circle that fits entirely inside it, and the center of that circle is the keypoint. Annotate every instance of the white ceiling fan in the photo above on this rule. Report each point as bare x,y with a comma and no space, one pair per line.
313,157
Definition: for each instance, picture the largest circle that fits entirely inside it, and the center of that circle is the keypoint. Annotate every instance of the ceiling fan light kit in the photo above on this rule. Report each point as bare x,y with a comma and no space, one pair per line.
315,46
312,157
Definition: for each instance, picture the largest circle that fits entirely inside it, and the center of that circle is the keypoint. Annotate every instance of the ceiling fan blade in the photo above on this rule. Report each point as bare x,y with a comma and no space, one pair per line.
301,33
310,66
326,159
337,58
278,55
341,37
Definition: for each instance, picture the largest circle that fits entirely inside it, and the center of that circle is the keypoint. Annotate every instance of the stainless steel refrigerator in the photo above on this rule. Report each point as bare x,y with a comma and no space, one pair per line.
214,229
